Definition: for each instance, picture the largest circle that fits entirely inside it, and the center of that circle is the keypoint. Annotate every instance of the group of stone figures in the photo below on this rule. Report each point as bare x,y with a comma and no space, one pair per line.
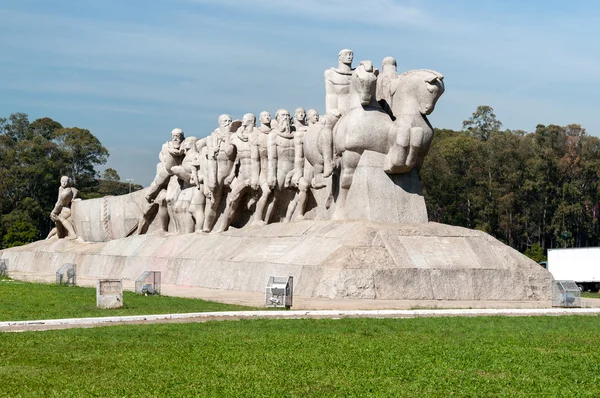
240,163
271,168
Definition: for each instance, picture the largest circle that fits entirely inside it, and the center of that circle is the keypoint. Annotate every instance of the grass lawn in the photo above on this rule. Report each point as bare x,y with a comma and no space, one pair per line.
31,301
439,357
590,295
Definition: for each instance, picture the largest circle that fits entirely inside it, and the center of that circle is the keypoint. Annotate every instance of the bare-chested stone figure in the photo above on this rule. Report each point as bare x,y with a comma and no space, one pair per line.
171,155
239,180
61,214
337,84
260,165
307,180
281,162
221,156
183,190
385,88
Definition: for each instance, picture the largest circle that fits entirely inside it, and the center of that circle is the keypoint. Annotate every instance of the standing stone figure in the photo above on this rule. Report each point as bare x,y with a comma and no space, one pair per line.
281,162
385,86
61,214
337,84
221,156
180,192
239,180
308,176
260,165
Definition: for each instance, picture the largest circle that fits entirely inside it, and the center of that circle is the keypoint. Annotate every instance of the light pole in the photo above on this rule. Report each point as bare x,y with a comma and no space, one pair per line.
129,180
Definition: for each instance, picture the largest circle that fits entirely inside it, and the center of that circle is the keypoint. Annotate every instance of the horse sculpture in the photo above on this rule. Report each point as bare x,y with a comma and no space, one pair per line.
364,127
414,95
405,141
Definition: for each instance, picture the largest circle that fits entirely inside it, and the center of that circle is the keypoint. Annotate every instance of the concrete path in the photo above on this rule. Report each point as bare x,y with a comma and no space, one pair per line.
51,324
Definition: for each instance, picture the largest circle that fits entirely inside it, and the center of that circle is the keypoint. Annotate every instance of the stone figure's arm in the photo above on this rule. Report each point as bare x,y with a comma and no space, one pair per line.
254,161
234,168
331,99
230,148
75,194
272,156
298,158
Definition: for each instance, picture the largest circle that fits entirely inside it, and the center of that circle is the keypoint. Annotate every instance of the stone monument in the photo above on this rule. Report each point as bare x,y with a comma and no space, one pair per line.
334,201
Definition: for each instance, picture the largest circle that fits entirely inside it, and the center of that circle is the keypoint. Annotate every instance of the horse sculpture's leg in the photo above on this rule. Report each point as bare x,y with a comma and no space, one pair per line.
416,142
395,160
350,161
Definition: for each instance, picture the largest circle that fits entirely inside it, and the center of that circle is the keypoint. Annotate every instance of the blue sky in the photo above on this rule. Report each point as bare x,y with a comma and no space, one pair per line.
130,71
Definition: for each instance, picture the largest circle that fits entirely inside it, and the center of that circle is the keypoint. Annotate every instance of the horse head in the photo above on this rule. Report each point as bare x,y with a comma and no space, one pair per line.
363,85
417,90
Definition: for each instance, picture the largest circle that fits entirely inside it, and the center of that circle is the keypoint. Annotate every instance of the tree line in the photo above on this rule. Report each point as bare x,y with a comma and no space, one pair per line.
33,157
531,190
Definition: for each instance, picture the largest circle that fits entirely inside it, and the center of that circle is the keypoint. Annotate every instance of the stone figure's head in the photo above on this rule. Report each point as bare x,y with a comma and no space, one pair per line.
364,82
419,89
300,115
249,120
177,137
283,119
389,65
225,122
312,116
265,118
346,56
65,181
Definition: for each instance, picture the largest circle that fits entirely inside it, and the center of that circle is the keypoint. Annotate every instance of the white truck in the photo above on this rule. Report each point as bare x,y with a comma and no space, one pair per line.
581,265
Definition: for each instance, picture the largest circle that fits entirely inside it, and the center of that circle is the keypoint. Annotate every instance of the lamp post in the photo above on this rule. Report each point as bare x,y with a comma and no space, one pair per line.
129,180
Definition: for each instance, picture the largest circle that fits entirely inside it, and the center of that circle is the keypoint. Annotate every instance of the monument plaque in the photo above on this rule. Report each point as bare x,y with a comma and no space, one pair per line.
109,293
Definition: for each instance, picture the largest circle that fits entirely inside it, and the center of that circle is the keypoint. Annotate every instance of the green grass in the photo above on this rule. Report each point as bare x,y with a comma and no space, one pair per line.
32,301
590,295
428,357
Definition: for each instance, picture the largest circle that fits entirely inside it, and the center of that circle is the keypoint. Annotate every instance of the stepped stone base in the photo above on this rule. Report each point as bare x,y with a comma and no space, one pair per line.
328,259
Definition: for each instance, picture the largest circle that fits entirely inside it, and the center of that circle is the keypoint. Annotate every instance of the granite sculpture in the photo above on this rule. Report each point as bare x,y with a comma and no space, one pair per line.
61,213
333,199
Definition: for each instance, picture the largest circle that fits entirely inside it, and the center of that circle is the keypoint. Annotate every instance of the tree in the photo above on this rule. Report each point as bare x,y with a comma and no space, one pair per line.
482,123
82,152
111,175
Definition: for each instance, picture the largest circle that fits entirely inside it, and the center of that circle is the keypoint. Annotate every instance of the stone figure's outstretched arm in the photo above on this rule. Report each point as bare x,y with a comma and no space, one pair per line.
272,156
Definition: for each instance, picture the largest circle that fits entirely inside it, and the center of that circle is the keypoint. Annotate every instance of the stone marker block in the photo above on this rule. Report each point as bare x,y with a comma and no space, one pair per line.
109,293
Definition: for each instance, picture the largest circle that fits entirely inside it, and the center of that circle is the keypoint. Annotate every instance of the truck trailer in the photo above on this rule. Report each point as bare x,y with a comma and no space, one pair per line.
581,265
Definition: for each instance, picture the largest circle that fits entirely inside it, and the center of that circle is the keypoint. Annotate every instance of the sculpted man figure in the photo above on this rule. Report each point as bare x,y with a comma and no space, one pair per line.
240,177
385,85
221,156
281,162
171,154
337,83
62,210
260,165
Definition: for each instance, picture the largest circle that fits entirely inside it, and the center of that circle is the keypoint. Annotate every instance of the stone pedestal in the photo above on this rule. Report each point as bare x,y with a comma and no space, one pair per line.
377,196
328,259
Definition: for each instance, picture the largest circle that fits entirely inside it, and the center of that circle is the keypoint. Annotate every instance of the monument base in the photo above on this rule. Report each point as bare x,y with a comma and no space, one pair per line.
328,259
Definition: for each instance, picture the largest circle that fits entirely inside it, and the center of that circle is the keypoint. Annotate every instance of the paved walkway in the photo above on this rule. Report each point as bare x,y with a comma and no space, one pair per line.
51,324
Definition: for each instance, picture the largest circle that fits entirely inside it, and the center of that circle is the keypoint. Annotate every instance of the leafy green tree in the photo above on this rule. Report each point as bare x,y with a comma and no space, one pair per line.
20,233
111,175
482,123
536,253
